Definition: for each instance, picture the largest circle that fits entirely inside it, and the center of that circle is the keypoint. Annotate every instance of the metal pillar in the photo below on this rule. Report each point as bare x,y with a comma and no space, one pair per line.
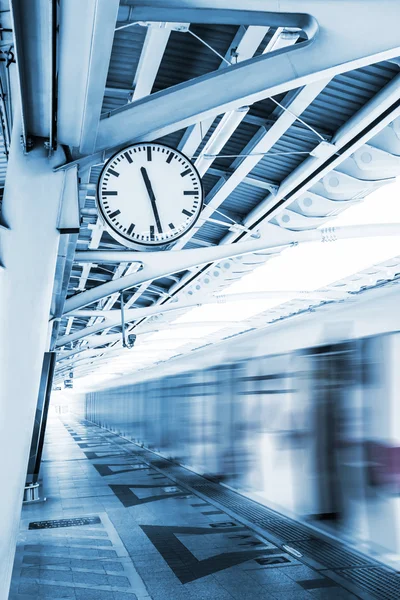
28,251
39,428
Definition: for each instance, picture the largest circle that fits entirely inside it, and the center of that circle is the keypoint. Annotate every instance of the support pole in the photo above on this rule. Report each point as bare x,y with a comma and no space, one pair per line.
39,429
28,251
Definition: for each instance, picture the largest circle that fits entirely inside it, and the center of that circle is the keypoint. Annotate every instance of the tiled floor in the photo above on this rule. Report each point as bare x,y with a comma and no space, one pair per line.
155,539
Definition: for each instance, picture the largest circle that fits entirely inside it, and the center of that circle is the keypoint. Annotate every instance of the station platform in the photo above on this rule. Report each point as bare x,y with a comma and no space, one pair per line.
122,523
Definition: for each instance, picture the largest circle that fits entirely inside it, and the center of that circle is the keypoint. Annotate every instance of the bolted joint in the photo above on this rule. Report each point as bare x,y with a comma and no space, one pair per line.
234,55
49,146
26,143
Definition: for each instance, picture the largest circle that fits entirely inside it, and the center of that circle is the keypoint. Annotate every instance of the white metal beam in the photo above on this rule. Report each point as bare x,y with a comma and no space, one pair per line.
113,317
131,315
161,264
331,53
281,39
262,143
95,341
224,130
314,167
97,232
86,35
150,59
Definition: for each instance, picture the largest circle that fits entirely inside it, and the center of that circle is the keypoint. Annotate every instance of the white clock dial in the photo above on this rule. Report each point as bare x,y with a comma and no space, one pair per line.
149,195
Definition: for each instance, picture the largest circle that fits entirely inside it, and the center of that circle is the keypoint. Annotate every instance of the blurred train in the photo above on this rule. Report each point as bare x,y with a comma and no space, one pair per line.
303,416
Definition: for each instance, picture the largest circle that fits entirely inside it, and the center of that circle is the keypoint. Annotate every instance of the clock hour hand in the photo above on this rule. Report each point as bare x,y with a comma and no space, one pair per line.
152,198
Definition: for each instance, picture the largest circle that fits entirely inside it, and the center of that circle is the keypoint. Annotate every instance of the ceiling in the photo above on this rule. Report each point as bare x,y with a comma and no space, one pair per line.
291,161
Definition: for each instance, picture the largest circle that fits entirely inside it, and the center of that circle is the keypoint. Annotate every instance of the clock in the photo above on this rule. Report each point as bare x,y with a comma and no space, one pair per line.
149,195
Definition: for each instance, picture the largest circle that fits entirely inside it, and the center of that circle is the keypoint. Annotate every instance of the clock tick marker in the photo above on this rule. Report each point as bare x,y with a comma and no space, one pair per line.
149,153
171,226
113,172
131,228
186,212
128,157
190,193
152,198
109,193
185,172
170,157
115,214
152,233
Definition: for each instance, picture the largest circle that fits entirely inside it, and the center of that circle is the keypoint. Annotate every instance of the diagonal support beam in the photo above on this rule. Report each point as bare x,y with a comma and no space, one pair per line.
113,317
210,87
150,60
372,118
331,53
131,315
262,142
244,45
161,264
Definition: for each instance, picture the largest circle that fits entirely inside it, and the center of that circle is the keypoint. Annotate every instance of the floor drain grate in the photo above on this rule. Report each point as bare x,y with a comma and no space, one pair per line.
64,523
329,555
263,517
376,580
159,464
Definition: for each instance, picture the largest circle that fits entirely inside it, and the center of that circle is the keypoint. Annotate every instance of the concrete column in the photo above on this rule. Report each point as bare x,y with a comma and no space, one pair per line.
28,253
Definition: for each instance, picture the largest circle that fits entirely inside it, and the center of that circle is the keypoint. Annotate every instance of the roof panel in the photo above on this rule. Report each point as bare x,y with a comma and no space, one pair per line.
287,154
211,232
125,56
186,57
243,199
346,94
236,144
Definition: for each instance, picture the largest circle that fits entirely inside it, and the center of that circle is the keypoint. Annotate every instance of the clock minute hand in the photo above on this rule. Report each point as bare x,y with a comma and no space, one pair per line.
152,198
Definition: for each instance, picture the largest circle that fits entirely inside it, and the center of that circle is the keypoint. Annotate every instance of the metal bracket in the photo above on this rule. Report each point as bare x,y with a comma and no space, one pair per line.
49,147
165,25
27,143
130,341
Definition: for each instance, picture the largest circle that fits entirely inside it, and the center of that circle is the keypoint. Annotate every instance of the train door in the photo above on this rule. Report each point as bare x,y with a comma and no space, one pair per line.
333,371
179,407
195,410
240,458
273,389
224,439
265,393
381,358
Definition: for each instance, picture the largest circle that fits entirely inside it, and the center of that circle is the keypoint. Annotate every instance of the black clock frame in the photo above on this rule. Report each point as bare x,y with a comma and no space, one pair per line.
109,227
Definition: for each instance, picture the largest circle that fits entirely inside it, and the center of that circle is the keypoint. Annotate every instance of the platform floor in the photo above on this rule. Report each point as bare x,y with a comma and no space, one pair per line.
157,531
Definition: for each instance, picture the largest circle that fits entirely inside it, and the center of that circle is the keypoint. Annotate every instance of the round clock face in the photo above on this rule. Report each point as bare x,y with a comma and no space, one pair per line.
149,195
